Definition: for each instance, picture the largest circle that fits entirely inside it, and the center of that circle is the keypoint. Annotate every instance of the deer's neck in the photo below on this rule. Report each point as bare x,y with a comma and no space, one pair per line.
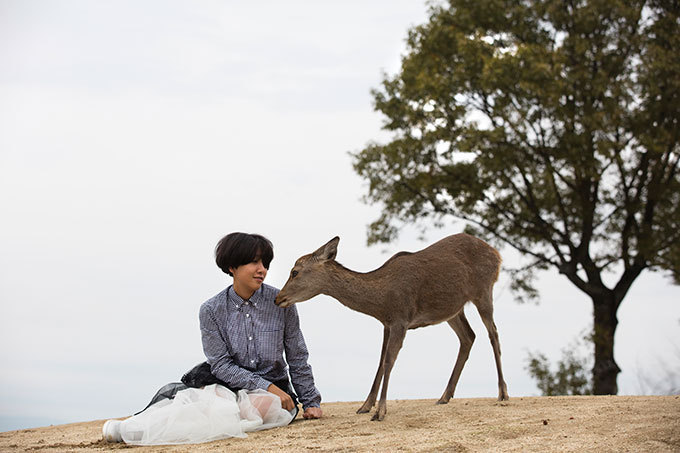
360,292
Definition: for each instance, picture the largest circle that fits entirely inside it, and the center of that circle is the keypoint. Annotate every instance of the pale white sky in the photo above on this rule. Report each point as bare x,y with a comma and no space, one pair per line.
135,134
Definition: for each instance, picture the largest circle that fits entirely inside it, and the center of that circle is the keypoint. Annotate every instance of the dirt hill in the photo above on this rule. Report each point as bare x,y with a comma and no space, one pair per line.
592,423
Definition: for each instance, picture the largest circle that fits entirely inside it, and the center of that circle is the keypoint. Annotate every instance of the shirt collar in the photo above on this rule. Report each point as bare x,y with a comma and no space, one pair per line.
237,301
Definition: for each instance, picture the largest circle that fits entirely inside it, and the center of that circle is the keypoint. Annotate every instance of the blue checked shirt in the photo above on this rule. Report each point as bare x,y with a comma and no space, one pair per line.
244,342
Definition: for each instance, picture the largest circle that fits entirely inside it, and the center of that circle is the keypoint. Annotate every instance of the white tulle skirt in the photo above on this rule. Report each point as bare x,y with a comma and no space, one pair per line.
203,415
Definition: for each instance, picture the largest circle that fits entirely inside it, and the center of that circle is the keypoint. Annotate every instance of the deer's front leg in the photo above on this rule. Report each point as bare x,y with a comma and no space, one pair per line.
396,339
373,394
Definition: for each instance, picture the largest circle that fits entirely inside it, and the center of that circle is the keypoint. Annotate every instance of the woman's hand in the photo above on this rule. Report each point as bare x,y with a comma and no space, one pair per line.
286,400
312,412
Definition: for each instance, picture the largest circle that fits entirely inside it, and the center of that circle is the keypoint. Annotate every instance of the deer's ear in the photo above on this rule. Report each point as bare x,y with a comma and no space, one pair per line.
328,250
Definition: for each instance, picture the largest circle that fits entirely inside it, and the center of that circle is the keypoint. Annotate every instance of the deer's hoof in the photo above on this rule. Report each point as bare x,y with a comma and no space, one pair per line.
366,407
443,401
379,415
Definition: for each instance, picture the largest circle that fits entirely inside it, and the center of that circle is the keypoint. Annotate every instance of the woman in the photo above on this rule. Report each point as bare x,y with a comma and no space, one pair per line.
244,385
245,334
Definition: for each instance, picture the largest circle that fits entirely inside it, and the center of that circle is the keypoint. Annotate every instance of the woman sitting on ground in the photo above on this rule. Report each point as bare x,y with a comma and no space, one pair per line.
245,383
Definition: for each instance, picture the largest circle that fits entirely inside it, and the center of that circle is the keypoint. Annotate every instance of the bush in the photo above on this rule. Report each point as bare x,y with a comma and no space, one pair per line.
573,375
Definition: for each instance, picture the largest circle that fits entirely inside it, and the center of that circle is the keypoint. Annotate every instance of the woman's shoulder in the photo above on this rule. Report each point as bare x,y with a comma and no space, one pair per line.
215,300
269,292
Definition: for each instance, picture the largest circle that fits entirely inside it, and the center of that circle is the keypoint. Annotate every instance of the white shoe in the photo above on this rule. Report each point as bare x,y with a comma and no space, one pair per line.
111,431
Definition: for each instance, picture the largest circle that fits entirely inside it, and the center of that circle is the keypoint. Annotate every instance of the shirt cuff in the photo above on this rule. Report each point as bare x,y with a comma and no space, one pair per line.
261,383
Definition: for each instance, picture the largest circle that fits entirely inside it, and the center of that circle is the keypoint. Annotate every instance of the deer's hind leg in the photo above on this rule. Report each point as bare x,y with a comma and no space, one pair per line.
373,394
466,336
485,307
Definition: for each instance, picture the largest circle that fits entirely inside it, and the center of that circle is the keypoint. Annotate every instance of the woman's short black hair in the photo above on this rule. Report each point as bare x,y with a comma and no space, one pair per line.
236,249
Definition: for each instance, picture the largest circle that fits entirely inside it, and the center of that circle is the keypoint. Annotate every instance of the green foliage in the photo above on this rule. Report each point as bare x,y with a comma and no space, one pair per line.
572,376
549,126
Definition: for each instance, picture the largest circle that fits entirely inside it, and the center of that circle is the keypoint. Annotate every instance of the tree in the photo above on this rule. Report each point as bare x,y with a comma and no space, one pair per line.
571,376
549,126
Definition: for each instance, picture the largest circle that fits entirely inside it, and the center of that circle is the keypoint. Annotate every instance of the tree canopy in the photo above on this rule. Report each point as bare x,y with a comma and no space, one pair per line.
550,126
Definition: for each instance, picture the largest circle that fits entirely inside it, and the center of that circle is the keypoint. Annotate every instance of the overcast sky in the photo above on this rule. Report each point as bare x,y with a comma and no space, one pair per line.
135,134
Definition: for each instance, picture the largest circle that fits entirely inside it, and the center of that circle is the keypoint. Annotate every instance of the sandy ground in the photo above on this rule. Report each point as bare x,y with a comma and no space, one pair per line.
545,424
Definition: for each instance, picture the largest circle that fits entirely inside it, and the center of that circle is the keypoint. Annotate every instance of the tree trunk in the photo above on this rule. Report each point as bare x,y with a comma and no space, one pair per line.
605,370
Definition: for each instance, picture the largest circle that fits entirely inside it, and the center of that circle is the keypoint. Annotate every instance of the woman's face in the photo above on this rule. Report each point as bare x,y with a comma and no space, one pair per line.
249,277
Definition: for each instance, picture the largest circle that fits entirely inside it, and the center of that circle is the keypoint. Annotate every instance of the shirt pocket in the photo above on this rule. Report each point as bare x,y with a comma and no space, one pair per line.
270,346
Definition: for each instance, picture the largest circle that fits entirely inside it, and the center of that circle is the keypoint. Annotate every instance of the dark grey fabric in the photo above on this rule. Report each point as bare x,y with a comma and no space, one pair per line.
168,391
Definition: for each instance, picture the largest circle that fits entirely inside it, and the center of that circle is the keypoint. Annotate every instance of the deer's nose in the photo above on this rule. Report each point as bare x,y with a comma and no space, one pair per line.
280,300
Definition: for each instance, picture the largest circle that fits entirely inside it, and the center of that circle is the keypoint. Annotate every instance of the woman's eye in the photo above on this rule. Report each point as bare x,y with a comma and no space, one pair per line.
293,274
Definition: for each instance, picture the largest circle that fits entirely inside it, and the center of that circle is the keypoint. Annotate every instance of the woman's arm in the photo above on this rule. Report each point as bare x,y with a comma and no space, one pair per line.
297,356
221,363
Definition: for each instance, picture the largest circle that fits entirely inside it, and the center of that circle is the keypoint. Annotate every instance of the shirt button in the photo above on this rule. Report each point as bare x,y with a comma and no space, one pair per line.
250,338
247,315
252,361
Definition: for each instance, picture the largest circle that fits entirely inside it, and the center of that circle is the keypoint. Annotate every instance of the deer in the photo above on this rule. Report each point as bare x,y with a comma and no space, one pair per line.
410,290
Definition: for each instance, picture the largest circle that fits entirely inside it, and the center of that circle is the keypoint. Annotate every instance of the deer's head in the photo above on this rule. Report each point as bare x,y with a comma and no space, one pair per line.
308,275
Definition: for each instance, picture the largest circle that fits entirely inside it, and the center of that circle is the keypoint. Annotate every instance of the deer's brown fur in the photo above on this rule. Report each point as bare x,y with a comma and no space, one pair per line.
410,290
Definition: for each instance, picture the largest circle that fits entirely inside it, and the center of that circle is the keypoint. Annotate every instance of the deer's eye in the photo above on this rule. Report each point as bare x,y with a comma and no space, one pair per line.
293,274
